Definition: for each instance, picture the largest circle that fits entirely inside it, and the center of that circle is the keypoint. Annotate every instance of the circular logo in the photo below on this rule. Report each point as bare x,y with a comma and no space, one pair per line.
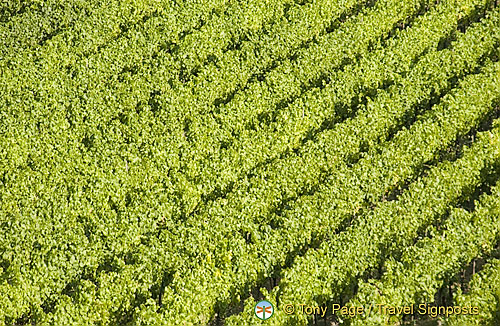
264,310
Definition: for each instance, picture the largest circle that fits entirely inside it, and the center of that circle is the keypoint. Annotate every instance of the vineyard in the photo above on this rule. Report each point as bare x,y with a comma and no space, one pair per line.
175,162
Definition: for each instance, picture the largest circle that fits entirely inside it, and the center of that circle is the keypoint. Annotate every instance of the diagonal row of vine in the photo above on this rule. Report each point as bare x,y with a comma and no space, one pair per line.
173,162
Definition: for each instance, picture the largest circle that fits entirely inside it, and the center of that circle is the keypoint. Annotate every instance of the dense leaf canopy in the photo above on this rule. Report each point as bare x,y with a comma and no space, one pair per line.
175,162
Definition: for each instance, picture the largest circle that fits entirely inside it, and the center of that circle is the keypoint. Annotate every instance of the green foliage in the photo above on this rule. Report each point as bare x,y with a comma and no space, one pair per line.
484,294
243,213
325,273
160,160
425,266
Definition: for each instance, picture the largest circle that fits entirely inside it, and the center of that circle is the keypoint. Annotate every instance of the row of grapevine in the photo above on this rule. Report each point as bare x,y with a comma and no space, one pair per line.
326,272
154,33
16,149
38,22
257,46
122,242
484,294
56,140
90,77
122,95
425,266
159,160
287,178
100,39
52,286
190,192
226,163
267,143
100,112
221,257
215,132
99,26
250,203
